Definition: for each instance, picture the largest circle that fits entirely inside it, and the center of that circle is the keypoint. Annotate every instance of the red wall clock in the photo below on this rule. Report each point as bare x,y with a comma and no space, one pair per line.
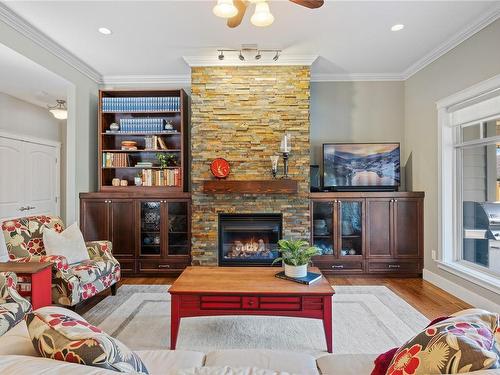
220,168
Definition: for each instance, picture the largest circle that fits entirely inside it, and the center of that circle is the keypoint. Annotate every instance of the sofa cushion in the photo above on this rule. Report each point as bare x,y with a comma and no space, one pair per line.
69,243
346,364
24,236
91,270
20,364
462,343
292,362
17,341
226,370
167,362
64,337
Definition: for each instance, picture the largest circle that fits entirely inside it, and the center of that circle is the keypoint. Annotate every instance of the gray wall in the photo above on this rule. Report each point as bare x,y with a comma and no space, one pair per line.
20,117
356,112
473,61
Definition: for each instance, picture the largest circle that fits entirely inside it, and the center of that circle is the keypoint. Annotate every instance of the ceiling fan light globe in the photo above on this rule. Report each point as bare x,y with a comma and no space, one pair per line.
60,114
225,9
262,16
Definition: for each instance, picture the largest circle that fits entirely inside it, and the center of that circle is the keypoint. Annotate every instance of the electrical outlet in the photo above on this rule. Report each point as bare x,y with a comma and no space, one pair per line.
433,253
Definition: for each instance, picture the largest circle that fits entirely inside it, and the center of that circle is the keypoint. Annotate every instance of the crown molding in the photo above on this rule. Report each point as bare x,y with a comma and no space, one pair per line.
285,59
31,32
484,20
169,80
347,77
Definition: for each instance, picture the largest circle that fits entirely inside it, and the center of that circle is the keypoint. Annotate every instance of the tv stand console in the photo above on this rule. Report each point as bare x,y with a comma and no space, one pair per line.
368,233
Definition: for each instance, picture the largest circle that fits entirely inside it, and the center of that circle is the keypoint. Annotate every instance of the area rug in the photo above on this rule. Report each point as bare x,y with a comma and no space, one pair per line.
366,319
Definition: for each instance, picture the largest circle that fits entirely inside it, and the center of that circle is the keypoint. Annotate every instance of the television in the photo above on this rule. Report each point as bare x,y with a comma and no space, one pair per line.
361,166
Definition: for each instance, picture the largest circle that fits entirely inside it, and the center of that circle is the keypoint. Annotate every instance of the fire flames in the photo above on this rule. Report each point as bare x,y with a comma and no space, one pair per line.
249,248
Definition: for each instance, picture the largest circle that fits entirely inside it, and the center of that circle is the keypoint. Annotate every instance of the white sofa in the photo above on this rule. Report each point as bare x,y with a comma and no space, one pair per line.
17,356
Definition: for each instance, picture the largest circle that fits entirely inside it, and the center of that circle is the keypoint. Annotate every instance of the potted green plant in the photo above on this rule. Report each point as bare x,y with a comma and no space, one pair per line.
166,160
296,255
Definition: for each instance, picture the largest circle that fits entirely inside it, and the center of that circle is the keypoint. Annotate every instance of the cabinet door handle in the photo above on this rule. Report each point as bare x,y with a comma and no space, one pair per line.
338,266
395,201
394,266
22,208
163,265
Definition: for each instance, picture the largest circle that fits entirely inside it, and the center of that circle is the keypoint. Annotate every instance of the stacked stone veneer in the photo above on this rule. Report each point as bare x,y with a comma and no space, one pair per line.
240,114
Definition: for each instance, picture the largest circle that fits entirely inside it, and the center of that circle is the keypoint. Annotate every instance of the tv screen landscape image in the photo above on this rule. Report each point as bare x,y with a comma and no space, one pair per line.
359,165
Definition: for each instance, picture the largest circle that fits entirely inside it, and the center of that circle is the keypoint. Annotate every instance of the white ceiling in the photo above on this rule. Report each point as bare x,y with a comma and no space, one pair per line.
350,37
24,79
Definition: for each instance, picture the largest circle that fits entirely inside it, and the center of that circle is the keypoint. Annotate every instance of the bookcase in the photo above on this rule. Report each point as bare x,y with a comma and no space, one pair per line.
143,141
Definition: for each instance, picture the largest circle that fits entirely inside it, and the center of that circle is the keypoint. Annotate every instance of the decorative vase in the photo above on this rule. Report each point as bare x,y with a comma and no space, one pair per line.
137,181
295,271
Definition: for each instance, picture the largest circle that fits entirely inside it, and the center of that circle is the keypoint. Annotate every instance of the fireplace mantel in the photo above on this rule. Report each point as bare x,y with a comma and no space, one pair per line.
278,186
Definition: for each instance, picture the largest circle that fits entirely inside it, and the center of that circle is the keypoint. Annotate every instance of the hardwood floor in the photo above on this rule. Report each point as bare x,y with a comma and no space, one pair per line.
430,300
422,295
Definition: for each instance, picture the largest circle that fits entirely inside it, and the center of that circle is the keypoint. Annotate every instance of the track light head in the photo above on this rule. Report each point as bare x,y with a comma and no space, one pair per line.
277,56
241,57
221,55
258,55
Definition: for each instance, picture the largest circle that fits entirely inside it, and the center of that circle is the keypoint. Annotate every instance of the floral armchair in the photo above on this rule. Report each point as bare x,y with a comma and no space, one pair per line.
71,283
13,307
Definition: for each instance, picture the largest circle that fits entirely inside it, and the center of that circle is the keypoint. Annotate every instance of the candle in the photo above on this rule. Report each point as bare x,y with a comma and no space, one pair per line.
285,143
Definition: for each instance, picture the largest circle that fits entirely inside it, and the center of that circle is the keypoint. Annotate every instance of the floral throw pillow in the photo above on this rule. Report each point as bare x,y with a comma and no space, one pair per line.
68,338
463,343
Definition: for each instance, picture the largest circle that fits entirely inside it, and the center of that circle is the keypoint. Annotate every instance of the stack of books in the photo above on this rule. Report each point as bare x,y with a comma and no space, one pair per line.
144,164
155,143
141,125
141,104
165,177
110,159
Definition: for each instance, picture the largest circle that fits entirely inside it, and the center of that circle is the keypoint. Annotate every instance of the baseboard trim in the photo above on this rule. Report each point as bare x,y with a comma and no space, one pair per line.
458,291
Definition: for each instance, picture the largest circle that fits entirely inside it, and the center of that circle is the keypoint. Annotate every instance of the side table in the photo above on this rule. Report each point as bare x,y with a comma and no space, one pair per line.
39,275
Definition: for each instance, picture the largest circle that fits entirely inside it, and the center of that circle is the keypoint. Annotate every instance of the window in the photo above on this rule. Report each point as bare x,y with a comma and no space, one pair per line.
478,175
469,184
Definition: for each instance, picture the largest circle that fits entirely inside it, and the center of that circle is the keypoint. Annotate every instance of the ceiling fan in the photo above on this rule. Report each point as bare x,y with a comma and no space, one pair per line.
234,10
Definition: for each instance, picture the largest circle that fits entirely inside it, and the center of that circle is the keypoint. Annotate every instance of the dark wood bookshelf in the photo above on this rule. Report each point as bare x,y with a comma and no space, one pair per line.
110,141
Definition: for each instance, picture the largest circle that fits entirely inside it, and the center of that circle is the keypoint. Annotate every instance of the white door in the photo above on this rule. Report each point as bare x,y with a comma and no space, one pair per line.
11,177
41,180
29,182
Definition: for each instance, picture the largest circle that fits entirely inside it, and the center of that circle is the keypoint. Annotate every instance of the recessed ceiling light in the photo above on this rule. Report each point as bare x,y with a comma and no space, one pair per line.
398,27
105,31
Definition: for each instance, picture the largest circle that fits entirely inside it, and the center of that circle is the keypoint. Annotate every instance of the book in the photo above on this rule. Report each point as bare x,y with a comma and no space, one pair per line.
307,280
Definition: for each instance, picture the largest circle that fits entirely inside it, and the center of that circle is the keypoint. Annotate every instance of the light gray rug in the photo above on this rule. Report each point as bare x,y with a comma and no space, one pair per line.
366,319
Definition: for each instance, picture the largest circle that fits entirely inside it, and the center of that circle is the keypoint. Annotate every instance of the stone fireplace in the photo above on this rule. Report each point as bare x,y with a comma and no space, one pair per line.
240,114
249,239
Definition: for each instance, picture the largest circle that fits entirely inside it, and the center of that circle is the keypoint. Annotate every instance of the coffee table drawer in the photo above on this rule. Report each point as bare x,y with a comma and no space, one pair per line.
250,302
280,303
220,302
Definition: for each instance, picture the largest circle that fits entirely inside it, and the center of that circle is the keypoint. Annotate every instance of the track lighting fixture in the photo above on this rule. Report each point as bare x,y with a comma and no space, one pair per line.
259,53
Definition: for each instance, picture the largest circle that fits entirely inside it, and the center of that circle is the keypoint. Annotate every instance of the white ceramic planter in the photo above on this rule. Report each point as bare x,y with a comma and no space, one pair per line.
296,271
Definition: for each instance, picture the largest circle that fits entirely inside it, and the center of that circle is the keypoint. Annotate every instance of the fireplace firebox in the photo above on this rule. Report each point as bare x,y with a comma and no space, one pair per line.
249,239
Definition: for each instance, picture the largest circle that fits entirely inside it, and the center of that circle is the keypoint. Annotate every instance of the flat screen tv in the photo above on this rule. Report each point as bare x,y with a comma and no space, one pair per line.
361,166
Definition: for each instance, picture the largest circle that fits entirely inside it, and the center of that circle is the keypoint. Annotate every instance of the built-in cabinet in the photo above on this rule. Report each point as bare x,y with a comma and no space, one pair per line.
368,233
149,235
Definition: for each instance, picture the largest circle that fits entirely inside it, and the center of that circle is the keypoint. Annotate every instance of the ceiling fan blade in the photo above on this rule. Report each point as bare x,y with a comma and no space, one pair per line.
311,4
236,20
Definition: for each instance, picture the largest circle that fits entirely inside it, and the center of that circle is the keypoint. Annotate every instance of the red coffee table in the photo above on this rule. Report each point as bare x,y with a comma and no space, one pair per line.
212,291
